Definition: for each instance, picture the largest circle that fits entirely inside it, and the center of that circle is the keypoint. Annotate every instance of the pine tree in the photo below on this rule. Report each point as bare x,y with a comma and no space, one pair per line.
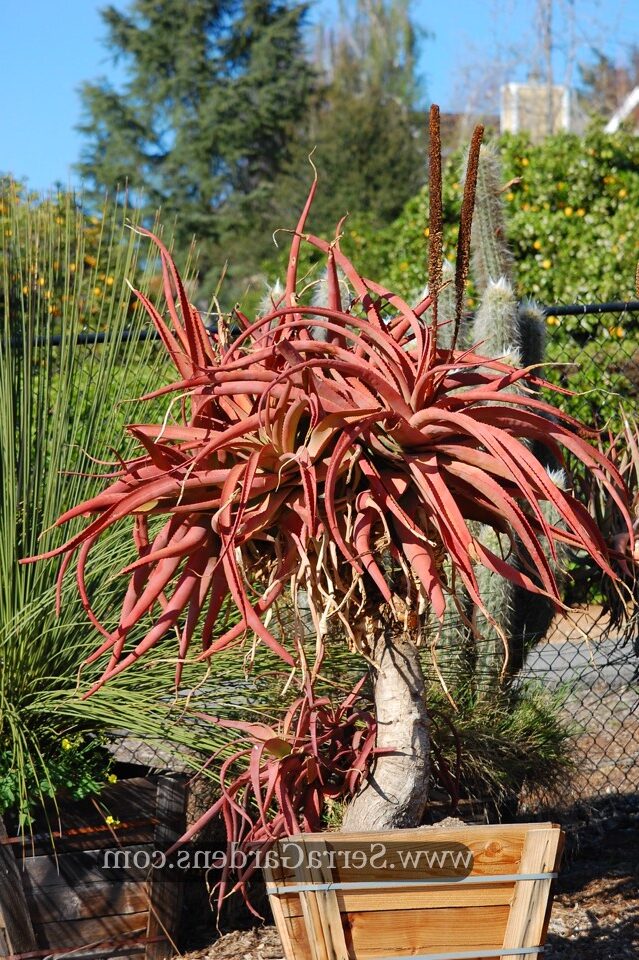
202,123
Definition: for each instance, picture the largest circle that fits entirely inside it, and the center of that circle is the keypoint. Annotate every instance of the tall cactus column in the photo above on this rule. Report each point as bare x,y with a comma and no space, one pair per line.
502,328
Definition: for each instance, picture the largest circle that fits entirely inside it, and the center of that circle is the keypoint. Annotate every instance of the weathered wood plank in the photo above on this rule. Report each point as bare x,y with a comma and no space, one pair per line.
90,932
17,930
82,901
94,840
83,866
166,893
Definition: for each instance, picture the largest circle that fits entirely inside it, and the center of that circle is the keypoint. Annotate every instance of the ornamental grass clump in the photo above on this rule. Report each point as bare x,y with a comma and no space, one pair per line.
345,452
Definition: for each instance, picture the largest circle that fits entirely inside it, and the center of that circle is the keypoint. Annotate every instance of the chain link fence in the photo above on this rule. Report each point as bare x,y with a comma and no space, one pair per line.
593,666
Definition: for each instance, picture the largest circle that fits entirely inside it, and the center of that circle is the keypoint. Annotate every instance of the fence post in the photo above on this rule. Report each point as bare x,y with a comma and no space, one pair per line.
165,892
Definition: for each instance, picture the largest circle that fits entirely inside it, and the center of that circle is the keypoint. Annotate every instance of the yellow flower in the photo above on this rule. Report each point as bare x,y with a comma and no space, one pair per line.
403,265
97,291
537,244
609,179
580,212
568,211
622,193
525,207
112,821
59,220
427,232
552,320
109,280
525,161
546,264
72,267
510,195
66,744
112,778
455,186
40,281
25,289
90,260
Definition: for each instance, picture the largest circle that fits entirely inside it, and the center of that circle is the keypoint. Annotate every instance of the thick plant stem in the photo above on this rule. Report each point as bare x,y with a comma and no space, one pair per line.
396,791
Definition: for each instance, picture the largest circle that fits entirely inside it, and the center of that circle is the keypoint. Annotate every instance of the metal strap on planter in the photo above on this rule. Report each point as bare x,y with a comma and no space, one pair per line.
280,890
472,954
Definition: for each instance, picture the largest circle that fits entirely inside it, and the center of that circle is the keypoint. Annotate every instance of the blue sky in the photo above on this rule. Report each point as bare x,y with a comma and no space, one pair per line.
50,48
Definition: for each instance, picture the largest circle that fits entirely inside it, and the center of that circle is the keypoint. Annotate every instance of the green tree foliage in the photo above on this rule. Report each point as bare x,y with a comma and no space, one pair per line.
571,220
364,127
201,124
374,47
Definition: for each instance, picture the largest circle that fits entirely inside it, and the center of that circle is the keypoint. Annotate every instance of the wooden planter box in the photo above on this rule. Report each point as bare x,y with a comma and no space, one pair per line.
336,905
56,897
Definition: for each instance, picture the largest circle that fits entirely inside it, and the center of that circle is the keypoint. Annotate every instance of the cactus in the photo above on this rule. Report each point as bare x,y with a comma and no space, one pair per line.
515,332
491,256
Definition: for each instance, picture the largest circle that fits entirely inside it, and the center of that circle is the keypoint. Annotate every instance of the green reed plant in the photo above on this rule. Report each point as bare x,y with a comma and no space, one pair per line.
57,402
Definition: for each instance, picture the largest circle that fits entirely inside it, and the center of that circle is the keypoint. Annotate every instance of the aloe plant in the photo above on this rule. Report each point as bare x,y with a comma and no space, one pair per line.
353,465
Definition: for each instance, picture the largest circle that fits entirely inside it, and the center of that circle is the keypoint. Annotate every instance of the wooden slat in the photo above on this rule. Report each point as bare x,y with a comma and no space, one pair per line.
495,894
166,893
272,878
321,912
87,932
461,834
103,840
373,935
530,901
496,849
76,902
126,800
83,866
17,935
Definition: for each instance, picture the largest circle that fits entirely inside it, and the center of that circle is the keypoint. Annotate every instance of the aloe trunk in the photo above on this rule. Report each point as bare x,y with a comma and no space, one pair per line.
396,792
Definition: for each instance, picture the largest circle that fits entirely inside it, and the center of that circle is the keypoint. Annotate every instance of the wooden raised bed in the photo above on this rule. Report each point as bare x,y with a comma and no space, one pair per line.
350,911
57,898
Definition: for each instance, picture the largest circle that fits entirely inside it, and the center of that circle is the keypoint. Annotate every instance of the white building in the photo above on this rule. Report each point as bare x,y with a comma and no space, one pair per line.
536,109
